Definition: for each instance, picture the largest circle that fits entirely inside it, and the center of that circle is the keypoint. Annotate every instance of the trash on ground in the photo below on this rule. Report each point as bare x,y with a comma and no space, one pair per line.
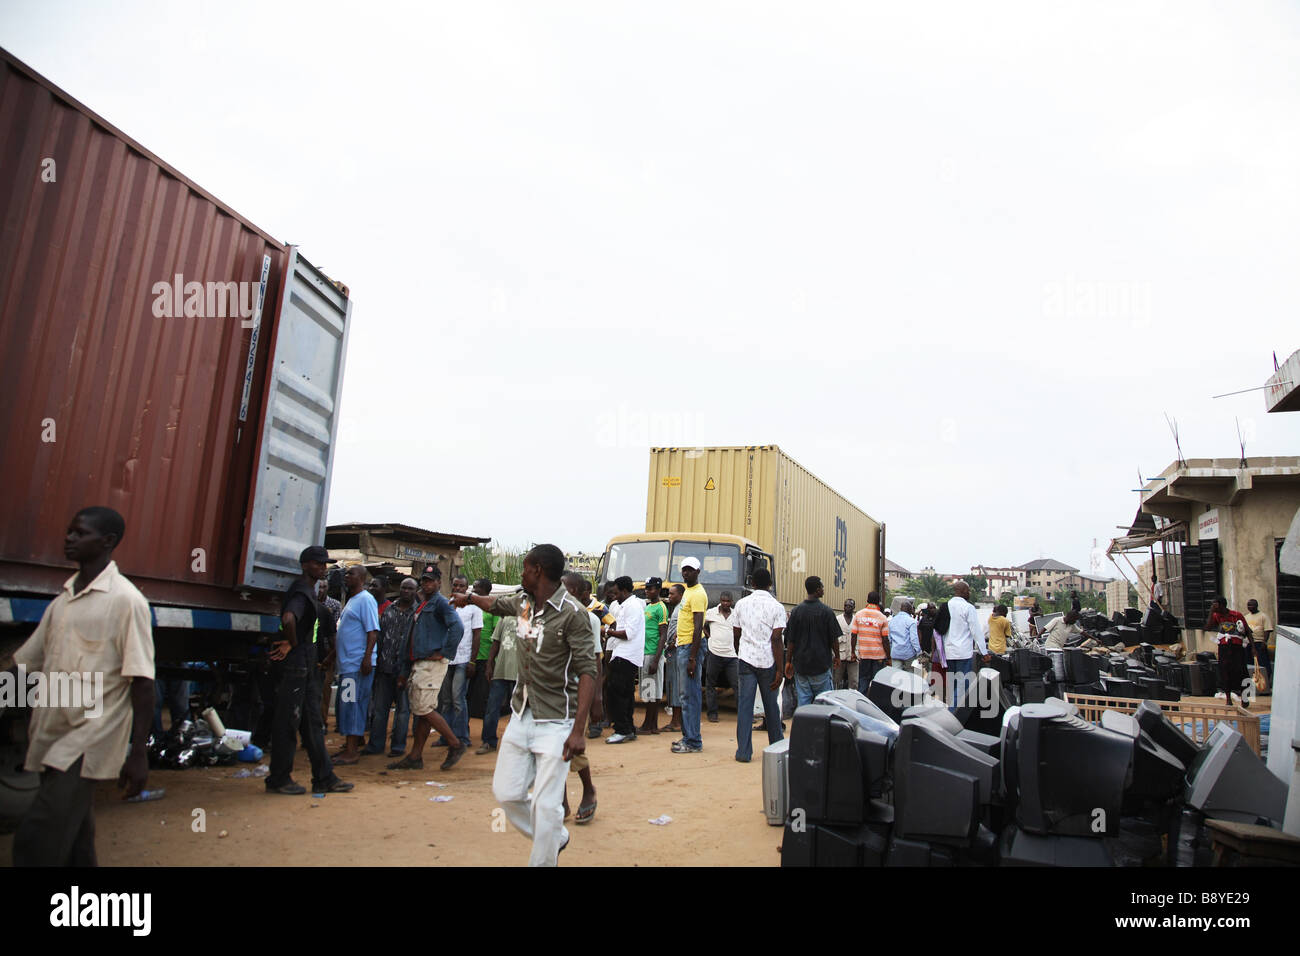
441,798
662,820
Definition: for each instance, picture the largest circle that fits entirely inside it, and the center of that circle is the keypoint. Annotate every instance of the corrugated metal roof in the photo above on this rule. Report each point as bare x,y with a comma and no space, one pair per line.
408,531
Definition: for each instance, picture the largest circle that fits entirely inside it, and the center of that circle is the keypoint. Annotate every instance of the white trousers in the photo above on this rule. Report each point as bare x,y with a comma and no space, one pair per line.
531,755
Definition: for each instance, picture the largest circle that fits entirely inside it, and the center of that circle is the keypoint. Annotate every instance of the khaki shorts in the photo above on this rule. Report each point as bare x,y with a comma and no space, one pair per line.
423,685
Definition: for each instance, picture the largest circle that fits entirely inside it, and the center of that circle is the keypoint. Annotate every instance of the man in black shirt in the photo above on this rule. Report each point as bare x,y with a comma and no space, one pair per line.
812,639
293,659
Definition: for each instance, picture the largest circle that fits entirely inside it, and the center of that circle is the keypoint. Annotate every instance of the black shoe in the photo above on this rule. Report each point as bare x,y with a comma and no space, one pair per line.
289,787
335,786
713,718
453,755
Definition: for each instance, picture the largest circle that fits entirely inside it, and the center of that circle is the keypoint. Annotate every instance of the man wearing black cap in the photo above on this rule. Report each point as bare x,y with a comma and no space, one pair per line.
435,634
294,658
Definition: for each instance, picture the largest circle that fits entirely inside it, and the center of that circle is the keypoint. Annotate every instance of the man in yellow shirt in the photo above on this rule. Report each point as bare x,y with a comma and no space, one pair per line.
690,625
999,629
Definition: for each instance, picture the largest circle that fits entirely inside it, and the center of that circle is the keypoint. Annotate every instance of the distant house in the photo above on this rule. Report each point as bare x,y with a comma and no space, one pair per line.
1084,583
1000,579
1047,577
896,575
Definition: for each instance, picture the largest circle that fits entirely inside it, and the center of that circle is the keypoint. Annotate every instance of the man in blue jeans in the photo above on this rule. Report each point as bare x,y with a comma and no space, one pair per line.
965,638
758,621
812,640
502,672
394,629
453,703
690,629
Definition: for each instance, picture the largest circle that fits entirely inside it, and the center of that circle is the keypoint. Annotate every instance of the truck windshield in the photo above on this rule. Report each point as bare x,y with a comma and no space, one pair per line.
639,560
719,563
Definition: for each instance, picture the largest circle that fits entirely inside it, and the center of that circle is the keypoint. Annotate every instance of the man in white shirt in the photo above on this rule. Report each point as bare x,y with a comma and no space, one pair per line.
720,665
1061,630
846,675
625,642
964,635
757,624
454,705
97,625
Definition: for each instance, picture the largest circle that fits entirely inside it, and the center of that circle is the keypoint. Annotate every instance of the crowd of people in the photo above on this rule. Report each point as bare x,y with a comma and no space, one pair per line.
567,665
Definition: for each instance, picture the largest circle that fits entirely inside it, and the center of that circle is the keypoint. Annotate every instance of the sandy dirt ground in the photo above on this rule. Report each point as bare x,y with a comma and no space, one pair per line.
715,802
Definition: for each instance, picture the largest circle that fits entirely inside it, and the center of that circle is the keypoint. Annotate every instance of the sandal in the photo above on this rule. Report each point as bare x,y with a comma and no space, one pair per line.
406,763
585,812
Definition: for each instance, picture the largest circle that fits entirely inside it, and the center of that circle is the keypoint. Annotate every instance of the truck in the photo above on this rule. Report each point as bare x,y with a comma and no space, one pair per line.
164,356
739,508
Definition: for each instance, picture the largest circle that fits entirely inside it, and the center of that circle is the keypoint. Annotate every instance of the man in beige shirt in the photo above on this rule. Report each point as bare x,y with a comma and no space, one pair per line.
1262,630
94,648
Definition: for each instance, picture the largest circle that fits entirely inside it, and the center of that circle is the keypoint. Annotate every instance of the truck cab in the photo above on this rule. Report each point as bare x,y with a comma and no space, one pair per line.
726,560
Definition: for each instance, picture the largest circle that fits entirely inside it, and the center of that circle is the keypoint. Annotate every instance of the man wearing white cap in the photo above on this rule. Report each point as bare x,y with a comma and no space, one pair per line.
690,625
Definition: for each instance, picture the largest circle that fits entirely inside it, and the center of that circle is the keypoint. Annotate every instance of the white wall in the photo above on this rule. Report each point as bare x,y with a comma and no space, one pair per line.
1284,725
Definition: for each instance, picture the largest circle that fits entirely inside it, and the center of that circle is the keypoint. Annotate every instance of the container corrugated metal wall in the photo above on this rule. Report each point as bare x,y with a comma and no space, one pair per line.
105,403
765,495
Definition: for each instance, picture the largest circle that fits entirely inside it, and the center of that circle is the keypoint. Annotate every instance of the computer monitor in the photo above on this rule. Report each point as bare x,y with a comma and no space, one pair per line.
834,765
1157,775
1166,733
1227,781
922,742
857,706
1080,666
939,785
894,690
983,705
1028,664
1009,757
936,713
1071,773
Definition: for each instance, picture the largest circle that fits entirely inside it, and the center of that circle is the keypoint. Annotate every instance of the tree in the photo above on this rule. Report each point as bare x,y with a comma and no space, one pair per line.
978,585
927,587
503,567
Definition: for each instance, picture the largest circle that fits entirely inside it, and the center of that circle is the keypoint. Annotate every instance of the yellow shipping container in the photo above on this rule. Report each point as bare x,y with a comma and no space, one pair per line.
763,494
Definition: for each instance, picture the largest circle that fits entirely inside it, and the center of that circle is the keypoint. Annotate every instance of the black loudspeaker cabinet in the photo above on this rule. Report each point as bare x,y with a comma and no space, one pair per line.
1209,678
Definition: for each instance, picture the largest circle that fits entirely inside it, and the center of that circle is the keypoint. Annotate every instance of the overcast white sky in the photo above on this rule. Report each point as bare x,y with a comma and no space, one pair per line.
957,259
